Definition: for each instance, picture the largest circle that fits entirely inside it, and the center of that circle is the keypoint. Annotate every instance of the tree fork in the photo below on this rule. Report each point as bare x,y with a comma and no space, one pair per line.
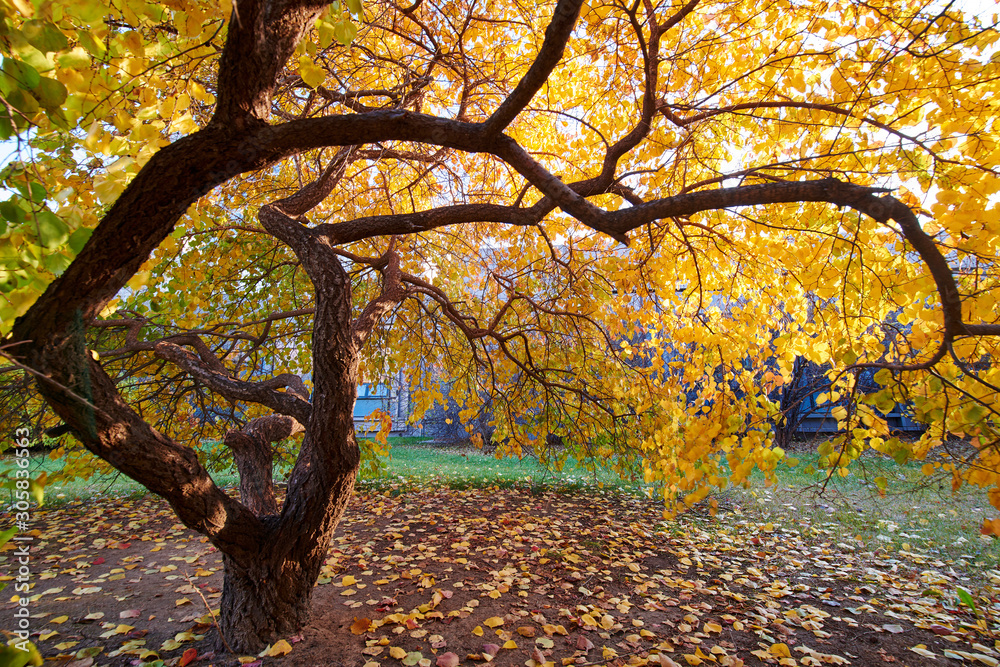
251,448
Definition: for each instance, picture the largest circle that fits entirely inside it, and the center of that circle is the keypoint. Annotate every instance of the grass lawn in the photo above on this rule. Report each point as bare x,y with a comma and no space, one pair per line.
917,514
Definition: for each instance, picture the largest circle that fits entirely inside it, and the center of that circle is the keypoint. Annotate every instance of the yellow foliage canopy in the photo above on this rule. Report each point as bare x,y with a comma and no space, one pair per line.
623,231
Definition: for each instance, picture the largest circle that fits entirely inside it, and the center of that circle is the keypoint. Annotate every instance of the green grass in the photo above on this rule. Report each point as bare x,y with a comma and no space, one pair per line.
414,462
99,485
916,514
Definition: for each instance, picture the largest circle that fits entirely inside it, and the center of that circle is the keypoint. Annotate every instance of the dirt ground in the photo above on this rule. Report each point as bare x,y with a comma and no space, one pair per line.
501,576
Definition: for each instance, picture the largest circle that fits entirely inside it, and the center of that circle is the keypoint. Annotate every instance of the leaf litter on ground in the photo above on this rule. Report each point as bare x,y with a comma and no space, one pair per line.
478,576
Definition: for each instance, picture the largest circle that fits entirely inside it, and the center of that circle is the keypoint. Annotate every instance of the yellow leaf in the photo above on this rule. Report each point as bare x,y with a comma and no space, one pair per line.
493,622
312,75
281,647
397,652
477,631
780,650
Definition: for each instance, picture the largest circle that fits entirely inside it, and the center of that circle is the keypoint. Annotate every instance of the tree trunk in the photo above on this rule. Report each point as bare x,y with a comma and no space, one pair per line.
791,405
267,597
265,600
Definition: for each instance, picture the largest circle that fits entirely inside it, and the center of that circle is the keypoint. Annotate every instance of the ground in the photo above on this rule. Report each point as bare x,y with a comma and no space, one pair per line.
506,576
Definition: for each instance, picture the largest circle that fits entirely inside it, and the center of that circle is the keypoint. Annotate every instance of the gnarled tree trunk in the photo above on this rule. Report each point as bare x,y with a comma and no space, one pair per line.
269,596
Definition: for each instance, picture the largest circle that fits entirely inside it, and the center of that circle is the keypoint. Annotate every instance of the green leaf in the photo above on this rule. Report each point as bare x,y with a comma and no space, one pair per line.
412,658
94,47
79,238
44,36
966,598
52,231
56,262
345,32
89,652
41,62
50,93
354,6
7,534
57,118
37,192
23,102
12,212
11,656
90,12
24,74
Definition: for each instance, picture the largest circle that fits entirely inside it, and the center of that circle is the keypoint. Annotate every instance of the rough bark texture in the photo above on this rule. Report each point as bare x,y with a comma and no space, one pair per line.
269,597
254,459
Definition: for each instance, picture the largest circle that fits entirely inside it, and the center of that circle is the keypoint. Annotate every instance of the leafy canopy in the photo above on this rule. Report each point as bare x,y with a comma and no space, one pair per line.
664,357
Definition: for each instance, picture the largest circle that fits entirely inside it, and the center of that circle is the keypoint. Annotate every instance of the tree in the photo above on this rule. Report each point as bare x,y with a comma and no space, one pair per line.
598,221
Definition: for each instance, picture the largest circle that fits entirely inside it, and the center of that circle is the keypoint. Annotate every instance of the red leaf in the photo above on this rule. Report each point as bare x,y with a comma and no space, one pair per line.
448,659
189,655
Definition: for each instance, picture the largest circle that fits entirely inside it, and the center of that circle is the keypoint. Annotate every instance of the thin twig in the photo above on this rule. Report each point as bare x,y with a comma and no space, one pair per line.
212,613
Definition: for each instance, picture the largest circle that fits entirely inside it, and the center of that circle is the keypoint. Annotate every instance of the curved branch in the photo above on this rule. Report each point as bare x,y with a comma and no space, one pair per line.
291,403
392,293
556,36
251,447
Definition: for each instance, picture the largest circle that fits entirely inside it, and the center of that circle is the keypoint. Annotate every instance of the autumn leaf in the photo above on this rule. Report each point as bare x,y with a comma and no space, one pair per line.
448,659
280,647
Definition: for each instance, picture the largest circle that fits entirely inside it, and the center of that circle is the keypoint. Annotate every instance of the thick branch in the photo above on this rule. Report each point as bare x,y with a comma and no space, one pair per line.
392,293
556,36
264,393
121,437
251,447
262,36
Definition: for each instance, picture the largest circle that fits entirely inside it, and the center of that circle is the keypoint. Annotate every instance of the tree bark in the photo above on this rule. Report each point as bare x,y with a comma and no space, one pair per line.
263,601
268,596
254,459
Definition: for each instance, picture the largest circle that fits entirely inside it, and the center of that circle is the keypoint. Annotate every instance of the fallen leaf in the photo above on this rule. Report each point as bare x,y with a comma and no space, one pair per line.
448,659
412,658
281,647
